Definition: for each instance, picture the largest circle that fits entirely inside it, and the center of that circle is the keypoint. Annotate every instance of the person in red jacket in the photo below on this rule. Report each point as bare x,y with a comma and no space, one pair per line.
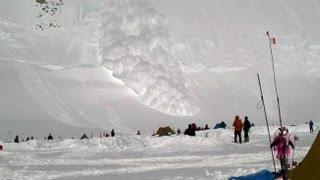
237,124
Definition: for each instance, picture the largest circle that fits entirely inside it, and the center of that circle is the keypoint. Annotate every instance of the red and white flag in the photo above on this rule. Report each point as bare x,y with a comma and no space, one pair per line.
272,40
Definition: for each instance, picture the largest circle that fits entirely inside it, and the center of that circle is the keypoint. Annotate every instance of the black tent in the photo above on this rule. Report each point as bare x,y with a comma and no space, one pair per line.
84,136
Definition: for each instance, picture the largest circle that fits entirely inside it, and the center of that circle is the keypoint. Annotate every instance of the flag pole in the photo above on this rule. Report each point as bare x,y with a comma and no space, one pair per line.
295,138
274,77
292,157
266,117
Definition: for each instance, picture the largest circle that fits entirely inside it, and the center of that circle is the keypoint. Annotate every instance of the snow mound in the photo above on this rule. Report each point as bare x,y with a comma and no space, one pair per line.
133,143
262,130
219,135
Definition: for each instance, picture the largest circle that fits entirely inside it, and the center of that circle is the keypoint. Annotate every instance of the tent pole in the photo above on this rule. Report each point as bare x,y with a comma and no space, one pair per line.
266,117
292,158
275,80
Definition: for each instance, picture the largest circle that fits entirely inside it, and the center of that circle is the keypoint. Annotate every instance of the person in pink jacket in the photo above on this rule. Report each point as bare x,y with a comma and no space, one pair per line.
281,143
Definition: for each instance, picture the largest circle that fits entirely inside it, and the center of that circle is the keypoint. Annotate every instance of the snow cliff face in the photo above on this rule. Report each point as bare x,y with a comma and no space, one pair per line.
145,63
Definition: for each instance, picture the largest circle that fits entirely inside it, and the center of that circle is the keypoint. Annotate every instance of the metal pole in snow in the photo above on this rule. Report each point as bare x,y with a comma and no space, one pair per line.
274,79
266,117
294,144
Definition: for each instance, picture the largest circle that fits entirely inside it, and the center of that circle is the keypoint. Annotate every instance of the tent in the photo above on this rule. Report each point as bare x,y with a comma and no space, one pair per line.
165,131
260,175
308,168
84,136
220,125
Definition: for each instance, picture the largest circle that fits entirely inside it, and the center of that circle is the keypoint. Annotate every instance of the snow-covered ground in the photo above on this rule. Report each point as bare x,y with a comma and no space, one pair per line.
129,156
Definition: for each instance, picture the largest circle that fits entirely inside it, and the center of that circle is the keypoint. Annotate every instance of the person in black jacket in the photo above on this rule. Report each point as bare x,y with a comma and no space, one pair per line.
16,139
112,133
178,131
50,137
311,126
246,128
190,131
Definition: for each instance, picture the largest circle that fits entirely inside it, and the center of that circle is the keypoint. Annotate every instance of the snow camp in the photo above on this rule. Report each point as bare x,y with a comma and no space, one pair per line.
159,89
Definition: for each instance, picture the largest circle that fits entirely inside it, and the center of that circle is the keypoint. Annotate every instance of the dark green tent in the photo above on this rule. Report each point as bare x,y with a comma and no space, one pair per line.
309,167
165,131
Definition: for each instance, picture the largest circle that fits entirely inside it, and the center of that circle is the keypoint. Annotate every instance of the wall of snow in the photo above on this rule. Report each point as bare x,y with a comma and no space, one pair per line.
136,45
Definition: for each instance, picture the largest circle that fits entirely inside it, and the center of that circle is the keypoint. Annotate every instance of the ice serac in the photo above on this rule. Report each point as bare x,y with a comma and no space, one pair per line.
136,45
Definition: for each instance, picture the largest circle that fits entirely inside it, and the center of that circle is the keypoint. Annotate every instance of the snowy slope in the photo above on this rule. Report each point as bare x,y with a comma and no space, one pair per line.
141,64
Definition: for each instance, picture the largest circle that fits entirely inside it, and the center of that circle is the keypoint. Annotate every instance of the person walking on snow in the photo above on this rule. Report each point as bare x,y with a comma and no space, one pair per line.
112,133
311,126
178,131
237,124
246,128
281,144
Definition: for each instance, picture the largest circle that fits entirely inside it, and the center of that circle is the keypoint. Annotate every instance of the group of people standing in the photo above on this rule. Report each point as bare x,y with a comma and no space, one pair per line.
16,139
280,143
239,126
